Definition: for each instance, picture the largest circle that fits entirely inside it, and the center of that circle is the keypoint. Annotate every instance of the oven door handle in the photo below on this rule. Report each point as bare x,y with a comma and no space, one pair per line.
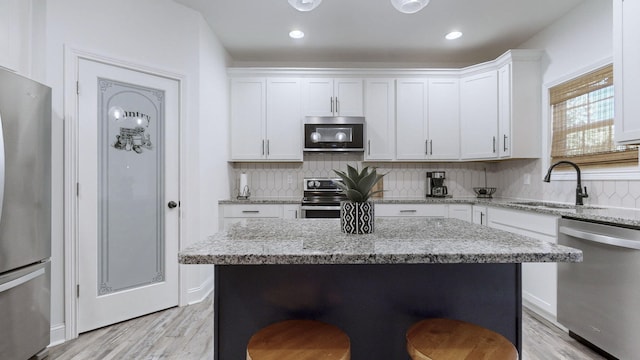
603,239
311,207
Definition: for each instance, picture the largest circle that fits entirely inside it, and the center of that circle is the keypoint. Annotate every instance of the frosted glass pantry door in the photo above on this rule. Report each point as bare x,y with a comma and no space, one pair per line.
128,194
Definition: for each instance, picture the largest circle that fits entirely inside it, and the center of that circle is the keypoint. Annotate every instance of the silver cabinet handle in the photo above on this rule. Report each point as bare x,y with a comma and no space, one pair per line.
494,144
262,147
430,147
331,99
426,147
603,239
409,211
368,147
250,211
505,142
481,218
337,106
267,147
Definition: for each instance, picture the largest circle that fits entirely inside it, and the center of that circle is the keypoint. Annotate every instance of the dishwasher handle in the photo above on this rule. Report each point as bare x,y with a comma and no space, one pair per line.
599,238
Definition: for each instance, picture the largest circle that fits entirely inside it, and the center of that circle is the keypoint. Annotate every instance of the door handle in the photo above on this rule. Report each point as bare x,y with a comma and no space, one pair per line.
172,204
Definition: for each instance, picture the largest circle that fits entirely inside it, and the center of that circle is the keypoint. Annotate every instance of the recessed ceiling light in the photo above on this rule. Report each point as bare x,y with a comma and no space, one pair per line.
453,35
296,34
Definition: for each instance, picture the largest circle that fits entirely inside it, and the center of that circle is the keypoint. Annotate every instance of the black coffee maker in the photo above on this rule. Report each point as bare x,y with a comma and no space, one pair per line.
435,184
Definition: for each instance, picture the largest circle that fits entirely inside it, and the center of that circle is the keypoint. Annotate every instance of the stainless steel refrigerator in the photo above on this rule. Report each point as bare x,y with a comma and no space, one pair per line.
25,217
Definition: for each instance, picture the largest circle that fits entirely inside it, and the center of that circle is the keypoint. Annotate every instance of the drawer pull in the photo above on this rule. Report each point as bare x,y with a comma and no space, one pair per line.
250,211
409,211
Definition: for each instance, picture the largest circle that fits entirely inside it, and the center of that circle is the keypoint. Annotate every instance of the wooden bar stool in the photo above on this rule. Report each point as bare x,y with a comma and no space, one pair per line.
299,340
447,339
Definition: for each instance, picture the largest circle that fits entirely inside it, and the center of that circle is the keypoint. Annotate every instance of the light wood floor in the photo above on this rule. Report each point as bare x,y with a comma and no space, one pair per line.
186,334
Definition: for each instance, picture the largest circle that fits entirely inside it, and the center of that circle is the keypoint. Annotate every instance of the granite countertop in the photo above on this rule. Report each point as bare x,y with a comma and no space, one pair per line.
395,241
614,216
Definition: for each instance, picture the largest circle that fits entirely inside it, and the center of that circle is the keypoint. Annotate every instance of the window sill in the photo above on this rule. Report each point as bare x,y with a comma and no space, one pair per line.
626,173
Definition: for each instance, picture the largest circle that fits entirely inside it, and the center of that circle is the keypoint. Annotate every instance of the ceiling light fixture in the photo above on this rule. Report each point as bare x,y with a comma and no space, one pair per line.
296,34
409,6
304,5
453,35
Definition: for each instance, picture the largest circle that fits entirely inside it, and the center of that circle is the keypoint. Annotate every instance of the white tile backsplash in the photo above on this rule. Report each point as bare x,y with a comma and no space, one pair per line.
402,180
615,193
408,180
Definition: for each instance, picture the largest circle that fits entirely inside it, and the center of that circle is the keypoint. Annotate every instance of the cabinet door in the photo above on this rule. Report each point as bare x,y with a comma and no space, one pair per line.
411,119
626,54
443,130
479,215
539,280
479,116
284,120
291,212
318,97
11,33
349,97
504,111
248,102
379,116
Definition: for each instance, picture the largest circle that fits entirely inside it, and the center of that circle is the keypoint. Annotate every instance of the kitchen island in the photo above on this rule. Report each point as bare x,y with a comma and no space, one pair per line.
371,286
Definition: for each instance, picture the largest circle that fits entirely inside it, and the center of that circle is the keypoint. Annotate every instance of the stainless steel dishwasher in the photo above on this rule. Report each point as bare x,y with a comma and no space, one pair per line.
599,299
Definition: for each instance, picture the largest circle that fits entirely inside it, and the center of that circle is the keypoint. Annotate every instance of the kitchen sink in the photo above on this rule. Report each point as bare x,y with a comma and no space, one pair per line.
554,205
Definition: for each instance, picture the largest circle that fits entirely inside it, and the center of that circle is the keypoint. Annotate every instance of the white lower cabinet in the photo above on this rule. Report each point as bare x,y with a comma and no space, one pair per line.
539,280
479,215
233,213
460,211
411,210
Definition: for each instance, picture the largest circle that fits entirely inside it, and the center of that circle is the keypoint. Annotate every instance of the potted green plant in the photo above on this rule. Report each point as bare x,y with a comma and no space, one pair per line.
357,213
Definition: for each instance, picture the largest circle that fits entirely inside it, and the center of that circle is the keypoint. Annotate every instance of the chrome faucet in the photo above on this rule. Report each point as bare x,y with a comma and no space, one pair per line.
579,193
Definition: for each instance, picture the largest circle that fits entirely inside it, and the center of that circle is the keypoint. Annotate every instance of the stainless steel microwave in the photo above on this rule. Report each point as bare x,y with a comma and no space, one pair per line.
334,133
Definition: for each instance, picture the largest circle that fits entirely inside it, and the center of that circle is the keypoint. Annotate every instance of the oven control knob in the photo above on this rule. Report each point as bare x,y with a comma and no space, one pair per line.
317,183
310,184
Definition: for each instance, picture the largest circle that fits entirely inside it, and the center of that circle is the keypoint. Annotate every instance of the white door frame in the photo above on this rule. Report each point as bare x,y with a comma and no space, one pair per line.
72,57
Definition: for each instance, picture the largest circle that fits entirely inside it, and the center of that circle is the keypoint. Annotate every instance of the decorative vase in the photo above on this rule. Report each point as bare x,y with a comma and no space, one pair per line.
356,217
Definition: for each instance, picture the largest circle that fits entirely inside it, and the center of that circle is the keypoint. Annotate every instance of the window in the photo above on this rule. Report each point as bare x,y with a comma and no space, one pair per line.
582,117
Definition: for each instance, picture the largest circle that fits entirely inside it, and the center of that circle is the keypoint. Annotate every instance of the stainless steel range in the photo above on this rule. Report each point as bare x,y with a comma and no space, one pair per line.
321,199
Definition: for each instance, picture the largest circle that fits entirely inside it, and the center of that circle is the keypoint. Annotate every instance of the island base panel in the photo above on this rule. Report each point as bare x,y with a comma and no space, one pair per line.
373,304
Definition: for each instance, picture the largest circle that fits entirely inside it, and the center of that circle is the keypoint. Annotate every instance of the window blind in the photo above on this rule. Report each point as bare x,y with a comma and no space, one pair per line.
582,117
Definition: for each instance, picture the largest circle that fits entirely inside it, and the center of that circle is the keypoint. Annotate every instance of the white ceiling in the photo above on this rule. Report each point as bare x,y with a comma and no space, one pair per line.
372,31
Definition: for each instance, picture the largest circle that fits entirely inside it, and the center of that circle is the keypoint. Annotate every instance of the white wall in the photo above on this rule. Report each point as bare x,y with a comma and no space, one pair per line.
579,41
159,34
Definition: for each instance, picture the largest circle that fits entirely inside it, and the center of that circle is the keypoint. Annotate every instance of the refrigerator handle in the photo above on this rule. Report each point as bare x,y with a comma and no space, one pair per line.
21,280
2,167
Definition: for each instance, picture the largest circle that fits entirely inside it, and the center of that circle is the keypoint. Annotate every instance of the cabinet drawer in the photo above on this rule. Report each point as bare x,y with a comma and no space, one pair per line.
411,210
253,211
524,222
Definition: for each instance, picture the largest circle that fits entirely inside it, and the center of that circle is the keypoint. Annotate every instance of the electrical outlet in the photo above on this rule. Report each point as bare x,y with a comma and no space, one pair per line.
527,179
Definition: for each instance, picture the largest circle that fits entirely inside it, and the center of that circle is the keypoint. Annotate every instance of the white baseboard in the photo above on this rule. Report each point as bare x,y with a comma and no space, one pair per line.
57,334
198,294
542,314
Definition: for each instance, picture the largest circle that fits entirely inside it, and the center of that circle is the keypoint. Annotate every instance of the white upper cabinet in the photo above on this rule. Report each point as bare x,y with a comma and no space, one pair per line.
248,114
484,112
266,119
411,119
379,115
504,111
443,113
626,72
15,34
333,97
284,119
479,115
427,122
519,104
